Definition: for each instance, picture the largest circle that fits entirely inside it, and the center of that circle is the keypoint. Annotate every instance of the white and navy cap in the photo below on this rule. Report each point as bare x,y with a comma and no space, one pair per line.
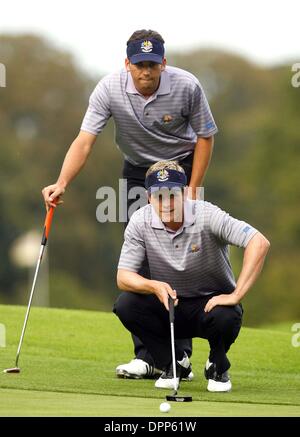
145,50
165,178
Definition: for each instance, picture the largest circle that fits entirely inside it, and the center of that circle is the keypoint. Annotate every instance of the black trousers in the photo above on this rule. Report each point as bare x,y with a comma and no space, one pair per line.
135,177
146,317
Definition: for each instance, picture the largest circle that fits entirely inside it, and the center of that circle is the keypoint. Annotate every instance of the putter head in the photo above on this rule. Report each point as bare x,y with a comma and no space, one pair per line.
12,370
174,397
178,398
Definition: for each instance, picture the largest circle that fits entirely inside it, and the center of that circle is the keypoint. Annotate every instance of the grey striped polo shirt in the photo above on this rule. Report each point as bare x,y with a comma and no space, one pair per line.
165,126
195,259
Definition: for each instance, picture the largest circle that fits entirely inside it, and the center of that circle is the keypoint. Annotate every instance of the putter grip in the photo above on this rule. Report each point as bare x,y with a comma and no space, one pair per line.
47,225
171,310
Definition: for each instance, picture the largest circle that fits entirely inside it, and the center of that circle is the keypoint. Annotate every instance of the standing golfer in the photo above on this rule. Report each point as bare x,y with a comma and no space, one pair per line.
160,112
186,243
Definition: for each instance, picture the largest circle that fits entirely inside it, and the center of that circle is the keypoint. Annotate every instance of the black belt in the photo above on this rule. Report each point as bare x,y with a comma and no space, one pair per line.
188,159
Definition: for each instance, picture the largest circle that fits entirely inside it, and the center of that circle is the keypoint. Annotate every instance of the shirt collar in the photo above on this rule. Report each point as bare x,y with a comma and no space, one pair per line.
164,86
189,215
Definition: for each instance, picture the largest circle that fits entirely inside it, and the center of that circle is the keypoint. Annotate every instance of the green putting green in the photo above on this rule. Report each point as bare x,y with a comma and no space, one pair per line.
68,365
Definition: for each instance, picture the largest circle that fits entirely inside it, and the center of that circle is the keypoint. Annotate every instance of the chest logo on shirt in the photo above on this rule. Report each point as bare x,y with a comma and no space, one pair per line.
146,46
194,248
167,118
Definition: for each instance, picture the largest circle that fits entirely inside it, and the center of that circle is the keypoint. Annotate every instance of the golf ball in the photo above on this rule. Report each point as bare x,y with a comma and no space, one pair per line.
165,407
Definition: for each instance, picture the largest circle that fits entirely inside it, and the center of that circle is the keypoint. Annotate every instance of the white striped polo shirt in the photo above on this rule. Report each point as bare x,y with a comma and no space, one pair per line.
194,260
165,126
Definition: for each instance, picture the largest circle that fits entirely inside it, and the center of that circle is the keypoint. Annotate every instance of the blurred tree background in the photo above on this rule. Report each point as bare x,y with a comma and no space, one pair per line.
254,174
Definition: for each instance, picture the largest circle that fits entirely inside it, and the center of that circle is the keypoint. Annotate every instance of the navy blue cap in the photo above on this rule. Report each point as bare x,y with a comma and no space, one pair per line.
165,178
145,50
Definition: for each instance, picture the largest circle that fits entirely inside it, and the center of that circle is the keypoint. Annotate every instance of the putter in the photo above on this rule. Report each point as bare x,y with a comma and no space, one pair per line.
47,227
174,397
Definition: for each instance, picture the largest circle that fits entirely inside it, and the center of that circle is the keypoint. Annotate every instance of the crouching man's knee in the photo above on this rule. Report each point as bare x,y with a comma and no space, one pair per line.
123,306
228,320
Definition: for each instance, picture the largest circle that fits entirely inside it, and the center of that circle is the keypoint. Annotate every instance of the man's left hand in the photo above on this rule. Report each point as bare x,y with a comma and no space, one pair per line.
223,299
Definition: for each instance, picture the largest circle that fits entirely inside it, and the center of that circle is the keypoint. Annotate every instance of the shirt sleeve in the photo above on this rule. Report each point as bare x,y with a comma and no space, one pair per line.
98,112
133,249
230,230
201,118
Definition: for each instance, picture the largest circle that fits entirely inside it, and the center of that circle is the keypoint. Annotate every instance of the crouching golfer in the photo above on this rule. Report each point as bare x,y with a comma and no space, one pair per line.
186,243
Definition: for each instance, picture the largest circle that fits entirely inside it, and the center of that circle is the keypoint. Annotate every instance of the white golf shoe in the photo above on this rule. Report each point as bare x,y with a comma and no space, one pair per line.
137,369
183,373
216,383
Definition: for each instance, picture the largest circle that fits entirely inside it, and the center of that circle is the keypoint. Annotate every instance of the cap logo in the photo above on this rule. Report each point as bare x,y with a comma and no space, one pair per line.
147,46
162,175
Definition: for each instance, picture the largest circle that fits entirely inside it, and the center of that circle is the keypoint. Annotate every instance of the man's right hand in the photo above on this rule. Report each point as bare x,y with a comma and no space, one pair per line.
162,291
52,195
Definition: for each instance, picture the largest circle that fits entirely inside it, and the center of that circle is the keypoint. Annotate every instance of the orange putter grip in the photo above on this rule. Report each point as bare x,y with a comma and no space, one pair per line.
47,225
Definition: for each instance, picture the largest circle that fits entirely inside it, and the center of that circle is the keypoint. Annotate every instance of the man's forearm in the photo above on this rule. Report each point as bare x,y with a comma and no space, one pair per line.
131,281
202,155
254,257
75,158
73,163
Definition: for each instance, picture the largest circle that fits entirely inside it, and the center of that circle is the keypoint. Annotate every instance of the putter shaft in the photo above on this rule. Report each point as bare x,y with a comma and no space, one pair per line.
173,357
172,318
47,227
174,397
30,301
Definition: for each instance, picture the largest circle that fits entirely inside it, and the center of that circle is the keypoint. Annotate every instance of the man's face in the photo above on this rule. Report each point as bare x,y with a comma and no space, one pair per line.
145,75
168,204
